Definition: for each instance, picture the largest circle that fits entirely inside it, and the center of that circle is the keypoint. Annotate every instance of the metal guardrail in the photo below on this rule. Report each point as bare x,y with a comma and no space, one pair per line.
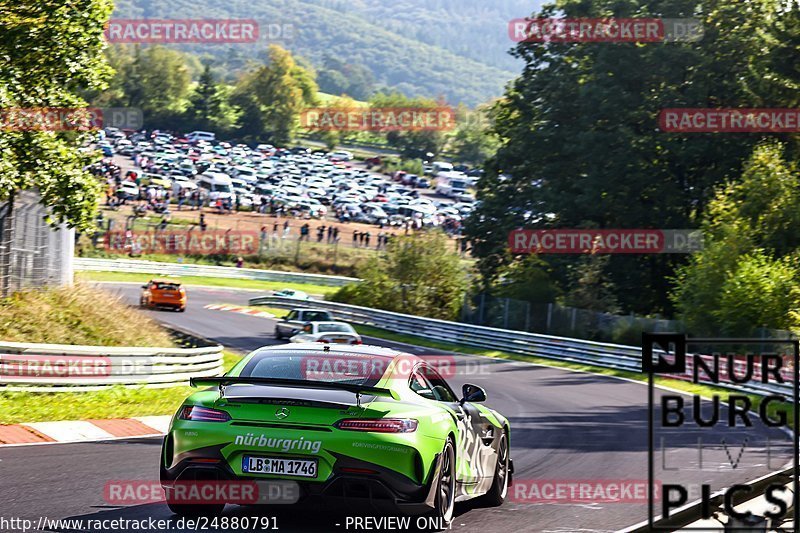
177,269
66,367
605,355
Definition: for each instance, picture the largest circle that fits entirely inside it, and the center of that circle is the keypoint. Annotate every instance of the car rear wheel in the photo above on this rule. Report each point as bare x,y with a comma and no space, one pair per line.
446,488
278,334
497,493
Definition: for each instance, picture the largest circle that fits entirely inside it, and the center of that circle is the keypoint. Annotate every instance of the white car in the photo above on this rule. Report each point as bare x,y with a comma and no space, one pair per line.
341,155
327,332
291,293
128,191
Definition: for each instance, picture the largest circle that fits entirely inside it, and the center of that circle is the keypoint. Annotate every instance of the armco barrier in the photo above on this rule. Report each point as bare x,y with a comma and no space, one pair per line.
178,269
67,367
614,356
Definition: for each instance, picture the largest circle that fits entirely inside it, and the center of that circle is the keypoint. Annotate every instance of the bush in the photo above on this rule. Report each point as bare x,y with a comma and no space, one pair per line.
418,275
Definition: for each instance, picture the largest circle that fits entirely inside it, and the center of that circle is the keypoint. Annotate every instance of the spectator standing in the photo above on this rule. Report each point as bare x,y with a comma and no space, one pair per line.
355,238
263,239
275,233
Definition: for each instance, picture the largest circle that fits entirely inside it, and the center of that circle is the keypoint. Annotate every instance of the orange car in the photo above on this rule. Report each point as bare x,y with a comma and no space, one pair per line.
163,293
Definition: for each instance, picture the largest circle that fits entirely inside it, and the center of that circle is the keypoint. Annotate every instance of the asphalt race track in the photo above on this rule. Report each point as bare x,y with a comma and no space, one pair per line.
565,426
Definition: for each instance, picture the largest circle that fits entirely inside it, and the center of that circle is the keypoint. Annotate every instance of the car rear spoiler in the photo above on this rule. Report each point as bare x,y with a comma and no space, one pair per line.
358,390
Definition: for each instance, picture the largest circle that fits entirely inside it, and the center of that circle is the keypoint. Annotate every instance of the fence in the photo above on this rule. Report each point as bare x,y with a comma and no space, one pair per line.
32,253
178,269
553,319
66,367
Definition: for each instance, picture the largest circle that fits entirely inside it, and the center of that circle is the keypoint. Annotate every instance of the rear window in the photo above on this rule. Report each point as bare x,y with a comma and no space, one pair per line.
342,328
358,369
316,316
167,286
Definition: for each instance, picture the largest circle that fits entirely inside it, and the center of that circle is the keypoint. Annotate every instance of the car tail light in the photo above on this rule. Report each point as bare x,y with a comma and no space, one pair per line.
323,340
378,425
357,341
203,414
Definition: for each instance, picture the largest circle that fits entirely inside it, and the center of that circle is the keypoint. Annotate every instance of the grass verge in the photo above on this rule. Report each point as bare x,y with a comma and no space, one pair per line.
115,402
209,282
76,315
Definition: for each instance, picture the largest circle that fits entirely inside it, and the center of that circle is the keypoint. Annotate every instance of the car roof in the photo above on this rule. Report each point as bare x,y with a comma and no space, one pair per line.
165,280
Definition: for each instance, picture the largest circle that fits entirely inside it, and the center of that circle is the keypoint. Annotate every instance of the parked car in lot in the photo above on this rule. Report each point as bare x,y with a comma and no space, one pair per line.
196,136
294,322
163,293
327,332
128,190
341,155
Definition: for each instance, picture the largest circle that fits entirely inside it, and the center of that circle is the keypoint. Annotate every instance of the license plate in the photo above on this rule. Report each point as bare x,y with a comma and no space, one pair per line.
279,466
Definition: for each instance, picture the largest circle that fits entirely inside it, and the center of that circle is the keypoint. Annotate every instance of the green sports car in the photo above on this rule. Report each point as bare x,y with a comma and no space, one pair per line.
356,422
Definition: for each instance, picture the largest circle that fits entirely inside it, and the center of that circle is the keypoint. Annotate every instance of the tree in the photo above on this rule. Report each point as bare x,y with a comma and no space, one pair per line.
762,292
339,78
49,49
591,287
208,106
272,96
411,143
419,274
752,235
529,280
580,147
473,142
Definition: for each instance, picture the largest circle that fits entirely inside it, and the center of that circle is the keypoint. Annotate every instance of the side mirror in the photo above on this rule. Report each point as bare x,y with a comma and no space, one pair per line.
144,286
472,393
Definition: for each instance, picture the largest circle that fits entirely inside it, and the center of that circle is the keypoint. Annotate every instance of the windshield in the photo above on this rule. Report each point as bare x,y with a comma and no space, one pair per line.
358,369
220,187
